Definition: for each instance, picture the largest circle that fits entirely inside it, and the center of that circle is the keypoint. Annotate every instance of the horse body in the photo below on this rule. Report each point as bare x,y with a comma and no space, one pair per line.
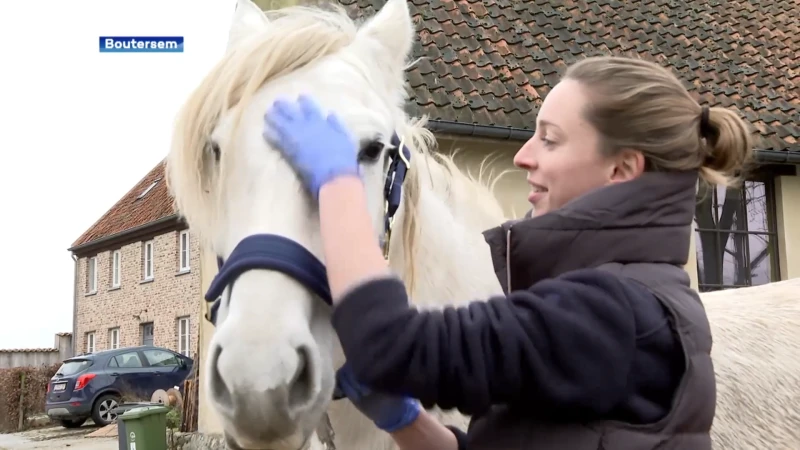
756,355
272,359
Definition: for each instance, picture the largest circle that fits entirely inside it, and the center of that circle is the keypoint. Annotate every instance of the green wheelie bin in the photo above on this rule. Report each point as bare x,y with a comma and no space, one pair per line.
143,428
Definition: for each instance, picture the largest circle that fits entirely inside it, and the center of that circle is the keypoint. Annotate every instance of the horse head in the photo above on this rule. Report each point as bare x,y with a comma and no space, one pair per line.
272,359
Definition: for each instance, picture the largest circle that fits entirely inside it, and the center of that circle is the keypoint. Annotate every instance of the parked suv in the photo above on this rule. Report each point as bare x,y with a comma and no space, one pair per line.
91,385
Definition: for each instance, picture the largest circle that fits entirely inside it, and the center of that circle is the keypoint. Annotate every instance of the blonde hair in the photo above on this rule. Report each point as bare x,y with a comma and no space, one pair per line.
640,105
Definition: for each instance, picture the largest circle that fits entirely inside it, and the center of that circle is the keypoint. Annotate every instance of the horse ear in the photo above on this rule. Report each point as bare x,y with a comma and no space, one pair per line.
248,19
393,28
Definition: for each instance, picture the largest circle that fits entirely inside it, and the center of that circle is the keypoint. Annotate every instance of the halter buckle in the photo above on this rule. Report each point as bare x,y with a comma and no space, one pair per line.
387,234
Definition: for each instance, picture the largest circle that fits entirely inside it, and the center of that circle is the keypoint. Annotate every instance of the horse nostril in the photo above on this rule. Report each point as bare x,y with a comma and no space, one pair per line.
219,390
301,388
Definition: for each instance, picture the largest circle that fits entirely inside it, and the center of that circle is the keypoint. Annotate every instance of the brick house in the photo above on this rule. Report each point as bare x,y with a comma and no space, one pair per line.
137,275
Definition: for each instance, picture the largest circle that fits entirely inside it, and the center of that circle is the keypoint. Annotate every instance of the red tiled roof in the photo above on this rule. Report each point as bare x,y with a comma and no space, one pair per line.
131,211
28,350
491,63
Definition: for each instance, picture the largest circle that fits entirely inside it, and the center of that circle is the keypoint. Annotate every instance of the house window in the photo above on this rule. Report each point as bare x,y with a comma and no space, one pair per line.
90,342
183,336
116,263
149,188
147,333
113,338
183,251
736,236
91,275
147,260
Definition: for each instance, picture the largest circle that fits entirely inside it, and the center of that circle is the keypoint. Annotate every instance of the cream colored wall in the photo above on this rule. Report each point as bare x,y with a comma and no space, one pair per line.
491,158
787,203
207,420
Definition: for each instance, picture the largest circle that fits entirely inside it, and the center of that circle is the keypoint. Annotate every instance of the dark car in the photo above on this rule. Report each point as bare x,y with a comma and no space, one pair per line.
92,385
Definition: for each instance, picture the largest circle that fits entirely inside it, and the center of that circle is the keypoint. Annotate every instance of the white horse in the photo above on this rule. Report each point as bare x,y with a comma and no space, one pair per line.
271,365
272,358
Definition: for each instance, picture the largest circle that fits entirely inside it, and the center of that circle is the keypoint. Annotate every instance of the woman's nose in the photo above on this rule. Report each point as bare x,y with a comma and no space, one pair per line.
525,158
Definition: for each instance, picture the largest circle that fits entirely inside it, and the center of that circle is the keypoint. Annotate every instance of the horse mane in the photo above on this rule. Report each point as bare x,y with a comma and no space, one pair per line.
443,177
295,37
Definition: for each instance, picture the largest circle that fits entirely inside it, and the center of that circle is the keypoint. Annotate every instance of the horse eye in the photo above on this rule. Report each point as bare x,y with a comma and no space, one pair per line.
370,152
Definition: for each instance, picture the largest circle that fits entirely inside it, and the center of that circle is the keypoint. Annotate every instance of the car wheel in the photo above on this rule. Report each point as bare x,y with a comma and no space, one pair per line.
72,423
101,411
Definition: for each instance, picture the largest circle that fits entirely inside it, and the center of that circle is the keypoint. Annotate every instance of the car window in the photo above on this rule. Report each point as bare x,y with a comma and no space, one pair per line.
160,358
128,360
73,367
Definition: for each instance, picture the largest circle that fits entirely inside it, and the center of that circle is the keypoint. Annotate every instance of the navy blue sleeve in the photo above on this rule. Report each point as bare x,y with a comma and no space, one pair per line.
461,437
567,342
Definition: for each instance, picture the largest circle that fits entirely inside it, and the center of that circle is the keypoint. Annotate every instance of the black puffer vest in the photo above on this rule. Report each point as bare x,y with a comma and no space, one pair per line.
640,230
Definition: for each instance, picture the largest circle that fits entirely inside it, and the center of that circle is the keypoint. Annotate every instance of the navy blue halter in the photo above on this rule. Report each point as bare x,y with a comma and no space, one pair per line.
278,253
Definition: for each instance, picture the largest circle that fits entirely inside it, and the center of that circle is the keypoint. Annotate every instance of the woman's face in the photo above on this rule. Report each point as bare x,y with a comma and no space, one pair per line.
563,157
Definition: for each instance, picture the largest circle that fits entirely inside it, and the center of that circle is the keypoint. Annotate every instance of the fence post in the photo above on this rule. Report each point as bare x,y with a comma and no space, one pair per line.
21,419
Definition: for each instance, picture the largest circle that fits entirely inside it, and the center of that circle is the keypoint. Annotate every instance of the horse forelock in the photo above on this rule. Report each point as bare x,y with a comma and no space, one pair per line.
294,38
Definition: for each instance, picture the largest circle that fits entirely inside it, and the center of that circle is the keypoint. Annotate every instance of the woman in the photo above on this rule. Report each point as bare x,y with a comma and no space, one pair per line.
599,342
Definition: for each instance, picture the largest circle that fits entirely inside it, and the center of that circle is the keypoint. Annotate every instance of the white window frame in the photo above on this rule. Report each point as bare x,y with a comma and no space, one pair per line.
113,338
90,342
184,336
91,268
143,327
183,251
149,266
116,269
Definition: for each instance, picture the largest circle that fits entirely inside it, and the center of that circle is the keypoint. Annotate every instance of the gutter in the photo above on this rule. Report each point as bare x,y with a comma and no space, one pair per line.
523,134
131,234
75,309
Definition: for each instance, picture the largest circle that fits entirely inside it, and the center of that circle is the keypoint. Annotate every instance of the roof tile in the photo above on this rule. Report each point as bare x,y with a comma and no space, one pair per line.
132,211
491,64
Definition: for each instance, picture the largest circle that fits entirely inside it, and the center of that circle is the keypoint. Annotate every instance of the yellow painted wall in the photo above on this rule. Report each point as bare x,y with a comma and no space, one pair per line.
207,420
787,203
496,159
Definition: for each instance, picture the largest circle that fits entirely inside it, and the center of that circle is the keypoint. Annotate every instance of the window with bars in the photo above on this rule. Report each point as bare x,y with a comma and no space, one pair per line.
183,336
736,236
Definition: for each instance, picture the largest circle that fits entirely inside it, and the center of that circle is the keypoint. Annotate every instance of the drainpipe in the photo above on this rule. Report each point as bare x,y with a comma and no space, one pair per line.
75,307
522,135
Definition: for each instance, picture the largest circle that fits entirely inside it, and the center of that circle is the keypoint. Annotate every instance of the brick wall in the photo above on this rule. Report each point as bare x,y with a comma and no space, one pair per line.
168,296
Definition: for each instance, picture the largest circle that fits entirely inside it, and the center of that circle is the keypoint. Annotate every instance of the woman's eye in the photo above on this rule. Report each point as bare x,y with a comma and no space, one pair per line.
371,152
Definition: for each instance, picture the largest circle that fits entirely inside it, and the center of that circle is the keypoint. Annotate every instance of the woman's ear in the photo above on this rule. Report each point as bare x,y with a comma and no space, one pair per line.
629,164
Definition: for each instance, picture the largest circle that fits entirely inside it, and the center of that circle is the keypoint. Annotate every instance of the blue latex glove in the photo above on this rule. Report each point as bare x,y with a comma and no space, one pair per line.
319,148
390,413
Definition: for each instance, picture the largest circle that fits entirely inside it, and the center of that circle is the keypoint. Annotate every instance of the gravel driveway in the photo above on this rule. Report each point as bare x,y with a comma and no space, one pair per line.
53,438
